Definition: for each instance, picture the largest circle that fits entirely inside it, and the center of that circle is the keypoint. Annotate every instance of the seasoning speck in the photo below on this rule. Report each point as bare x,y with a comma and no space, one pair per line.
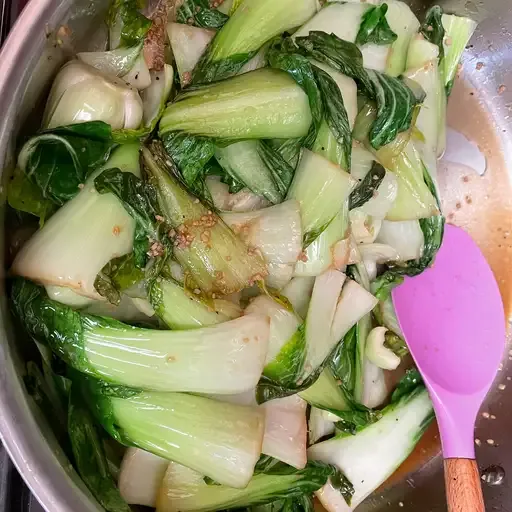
479,65
478,442
501,89
486,415
490,442
501,387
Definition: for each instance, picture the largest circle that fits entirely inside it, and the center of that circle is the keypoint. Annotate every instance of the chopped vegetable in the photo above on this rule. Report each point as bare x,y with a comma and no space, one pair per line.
218,260
145,358
184,490
80,94
254,23
402,425
220,439
141,476
83,236
264,103
321,188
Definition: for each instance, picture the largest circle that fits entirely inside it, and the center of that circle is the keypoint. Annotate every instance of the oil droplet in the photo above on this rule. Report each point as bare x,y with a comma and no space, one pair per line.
493,475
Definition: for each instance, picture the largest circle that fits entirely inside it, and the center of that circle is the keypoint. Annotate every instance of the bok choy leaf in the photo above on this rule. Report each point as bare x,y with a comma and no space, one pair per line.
184,490
89,455
218,439
220,262
286,430
190,154
180,309
201,14
188,44
253,24
25,196
367,188
395,100
243,160
265,103
459,31
145,358
83,236
127,25
82,94
286,350
321,189
58,161
433,30
374,27
365,458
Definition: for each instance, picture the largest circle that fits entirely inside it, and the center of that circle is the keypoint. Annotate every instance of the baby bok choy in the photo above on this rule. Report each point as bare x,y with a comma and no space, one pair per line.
218,260
275,231
82,93
252,24
226,358
286,430
221,440
185,490
285,355
182,309
265,103
321,189
370,456
83,236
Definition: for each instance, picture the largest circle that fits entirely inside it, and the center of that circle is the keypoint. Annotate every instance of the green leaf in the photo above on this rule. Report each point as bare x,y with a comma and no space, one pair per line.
340,482
374,27
208,71
138,198
396,104
128,23
124,272
289,149
48,322
25,196
337,53
344,360
335,114
303,503
281,170
283,55
151,231
396,101
59,161
433,29
409,382
89,455
104,286
43,390
190,153
367,188
200,14
287,367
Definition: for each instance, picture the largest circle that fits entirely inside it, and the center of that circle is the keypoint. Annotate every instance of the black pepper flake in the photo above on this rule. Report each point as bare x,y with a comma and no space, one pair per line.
137,76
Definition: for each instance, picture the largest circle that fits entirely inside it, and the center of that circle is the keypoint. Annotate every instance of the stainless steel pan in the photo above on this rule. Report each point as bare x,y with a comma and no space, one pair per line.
49,30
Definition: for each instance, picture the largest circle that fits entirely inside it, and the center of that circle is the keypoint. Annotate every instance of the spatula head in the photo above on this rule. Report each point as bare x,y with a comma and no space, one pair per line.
453,321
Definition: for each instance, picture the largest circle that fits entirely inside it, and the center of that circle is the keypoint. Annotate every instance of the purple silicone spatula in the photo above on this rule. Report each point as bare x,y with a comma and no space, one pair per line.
453,321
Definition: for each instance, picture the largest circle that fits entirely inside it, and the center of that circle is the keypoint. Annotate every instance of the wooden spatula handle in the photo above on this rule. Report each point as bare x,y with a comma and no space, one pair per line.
463,486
